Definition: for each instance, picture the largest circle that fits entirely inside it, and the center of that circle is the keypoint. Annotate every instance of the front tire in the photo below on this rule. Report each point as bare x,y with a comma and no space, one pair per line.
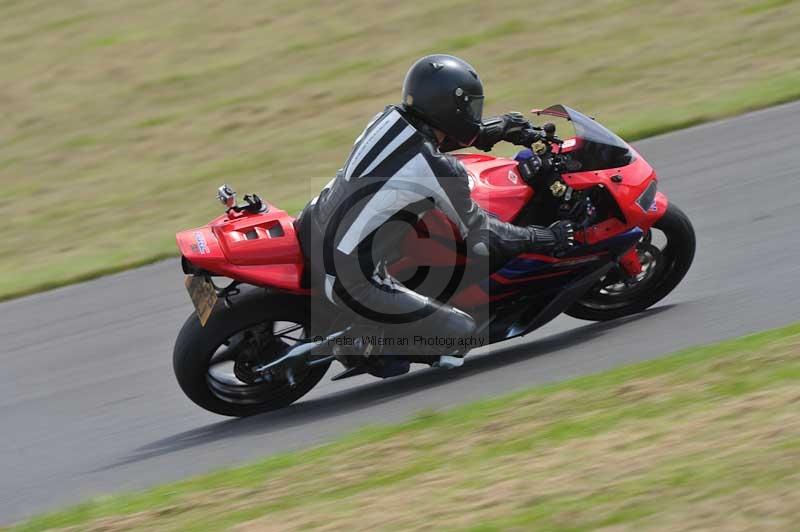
205,358
606,302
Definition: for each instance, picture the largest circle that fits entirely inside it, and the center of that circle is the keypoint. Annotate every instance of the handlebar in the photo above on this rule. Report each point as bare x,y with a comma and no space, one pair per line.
532,135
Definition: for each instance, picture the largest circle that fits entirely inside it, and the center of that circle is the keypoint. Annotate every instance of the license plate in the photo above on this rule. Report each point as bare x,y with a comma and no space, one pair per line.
203,294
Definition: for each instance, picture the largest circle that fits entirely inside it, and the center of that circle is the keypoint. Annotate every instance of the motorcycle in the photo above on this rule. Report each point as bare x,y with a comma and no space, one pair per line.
249,346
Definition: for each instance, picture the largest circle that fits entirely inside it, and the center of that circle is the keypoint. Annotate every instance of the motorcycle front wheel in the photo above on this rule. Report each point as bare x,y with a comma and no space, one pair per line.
666,253
211,363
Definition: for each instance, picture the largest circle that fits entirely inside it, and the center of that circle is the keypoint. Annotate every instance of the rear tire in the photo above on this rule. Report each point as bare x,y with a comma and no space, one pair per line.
676,258
196,346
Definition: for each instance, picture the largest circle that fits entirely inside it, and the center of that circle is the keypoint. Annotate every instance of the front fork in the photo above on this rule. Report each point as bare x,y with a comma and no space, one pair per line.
630,262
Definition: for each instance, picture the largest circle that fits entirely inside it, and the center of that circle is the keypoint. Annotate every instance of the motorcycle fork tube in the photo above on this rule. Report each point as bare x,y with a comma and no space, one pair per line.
630,262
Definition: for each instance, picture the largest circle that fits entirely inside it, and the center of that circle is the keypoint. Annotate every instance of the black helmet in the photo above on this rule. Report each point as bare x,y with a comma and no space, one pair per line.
447,93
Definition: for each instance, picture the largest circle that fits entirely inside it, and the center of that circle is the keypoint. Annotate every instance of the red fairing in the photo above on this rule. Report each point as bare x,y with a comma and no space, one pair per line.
431,244
261,249
625,185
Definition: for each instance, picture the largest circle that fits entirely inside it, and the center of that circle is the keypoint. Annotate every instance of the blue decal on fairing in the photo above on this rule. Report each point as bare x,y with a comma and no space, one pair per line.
518,268
522,267
622,240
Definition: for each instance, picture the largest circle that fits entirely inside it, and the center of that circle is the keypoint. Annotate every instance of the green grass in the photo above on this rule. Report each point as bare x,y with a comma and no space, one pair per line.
120,119
708,438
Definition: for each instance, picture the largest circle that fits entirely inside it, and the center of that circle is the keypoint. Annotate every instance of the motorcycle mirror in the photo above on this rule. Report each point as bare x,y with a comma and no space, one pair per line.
549,130
226,196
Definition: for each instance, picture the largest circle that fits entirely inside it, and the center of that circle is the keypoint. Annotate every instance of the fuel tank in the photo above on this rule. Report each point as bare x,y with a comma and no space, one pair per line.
496,184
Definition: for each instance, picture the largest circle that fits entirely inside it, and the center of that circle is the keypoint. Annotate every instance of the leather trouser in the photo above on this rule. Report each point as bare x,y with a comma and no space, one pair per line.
423,325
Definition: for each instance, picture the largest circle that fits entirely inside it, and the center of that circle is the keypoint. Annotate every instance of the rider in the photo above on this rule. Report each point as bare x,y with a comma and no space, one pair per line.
398,167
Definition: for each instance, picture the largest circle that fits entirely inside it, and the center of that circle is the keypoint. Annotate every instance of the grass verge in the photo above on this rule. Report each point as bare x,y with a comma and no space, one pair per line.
708,438
122,118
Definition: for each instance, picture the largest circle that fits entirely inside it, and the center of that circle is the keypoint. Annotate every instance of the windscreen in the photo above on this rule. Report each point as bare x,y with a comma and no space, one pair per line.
597,148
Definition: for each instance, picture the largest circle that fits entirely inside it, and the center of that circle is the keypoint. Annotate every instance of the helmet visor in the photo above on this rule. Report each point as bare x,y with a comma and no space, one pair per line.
474,108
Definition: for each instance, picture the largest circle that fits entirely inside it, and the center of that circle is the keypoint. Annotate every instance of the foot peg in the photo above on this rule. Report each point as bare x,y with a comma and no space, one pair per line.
449,362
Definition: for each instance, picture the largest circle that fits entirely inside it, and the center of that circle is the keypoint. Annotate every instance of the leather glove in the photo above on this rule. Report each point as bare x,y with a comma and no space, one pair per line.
565,235
515,128
510,127
557,238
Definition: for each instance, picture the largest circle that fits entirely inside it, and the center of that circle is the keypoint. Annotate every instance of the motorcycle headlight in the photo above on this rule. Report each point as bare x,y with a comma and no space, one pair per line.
646,199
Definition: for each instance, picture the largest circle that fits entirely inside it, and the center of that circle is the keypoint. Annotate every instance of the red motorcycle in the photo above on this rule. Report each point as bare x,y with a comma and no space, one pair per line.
250,346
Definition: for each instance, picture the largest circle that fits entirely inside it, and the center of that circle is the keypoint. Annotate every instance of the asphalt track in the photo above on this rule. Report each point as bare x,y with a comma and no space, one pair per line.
88,403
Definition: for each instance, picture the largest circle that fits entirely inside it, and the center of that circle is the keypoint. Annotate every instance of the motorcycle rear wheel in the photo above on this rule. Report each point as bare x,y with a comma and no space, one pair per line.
609,300
205,358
